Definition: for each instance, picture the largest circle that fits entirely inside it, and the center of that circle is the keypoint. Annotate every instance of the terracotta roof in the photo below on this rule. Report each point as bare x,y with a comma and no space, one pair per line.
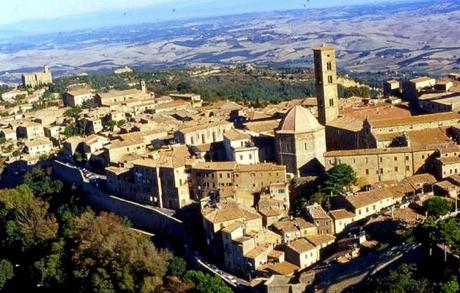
79,92
380,151
365,198
260,167
449,160
233,226
119,93
299,120
286,226
195,126
320,240
267,126
416,181
214,166
229,211
283,268
447,185
422,79
270,212
38,141
419,119
256,251
317,212
341,214
301,245
235,134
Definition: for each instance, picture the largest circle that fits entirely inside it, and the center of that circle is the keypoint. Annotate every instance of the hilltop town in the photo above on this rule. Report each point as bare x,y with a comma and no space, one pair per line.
265,196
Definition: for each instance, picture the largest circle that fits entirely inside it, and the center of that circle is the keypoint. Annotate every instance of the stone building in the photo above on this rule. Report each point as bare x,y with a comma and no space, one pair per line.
161,181
196,133
367,203
300,143
326,83
37,79
30,130
219,216
39,146
374,165
240,148
391,88
412,88
209,178
77,97
320,218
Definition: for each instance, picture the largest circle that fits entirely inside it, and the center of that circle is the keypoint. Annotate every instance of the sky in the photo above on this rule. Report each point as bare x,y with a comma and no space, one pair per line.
14,11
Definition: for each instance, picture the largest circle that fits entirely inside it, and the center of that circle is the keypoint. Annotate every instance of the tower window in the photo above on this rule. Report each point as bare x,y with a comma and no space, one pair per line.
329,66
329,79
331,102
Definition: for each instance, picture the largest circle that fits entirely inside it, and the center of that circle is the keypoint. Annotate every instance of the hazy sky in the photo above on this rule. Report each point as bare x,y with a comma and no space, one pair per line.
14,10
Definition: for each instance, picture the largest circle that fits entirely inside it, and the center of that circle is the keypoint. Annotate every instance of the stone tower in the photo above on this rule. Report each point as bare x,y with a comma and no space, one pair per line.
326,83
300,143
143,87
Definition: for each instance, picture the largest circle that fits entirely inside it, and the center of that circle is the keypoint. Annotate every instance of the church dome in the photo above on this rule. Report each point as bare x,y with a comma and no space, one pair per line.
299,120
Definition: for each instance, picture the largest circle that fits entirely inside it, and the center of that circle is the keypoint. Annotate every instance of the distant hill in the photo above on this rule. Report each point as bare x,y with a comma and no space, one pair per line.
403,36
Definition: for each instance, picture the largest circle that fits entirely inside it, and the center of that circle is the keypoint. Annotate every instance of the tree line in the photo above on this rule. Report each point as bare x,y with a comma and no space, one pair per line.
50,241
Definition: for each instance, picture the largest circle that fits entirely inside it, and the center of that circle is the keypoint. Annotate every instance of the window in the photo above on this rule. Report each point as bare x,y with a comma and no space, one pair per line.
305,146
329,66
407,168
367,171
331,103
329,79
396,169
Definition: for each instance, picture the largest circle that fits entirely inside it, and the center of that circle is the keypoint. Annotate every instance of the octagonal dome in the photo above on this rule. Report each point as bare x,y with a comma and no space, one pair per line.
299,120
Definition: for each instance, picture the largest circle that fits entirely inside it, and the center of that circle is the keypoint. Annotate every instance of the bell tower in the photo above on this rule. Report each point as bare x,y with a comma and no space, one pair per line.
326,83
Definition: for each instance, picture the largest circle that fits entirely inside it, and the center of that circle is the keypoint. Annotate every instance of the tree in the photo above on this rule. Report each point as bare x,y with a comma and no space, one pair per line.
437,207
26,220
6,272
337,178
401,280
206,283
110,257
73,112
177,266
41,182
450,286
111,124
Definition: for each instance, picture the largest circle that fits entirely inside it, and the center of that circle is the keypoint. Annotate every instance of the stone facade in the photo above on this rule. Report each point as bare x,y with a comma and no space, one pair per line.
326,83
37,79
300,143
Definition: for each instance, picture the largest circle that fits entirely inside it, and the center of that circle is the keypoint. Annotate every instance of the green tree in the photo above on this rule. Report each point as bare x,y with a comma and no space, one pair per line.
450,286
73,112
337,178
6,272
437,206
177,266
206,283
26,221
112,258
41,183
111,124
401,280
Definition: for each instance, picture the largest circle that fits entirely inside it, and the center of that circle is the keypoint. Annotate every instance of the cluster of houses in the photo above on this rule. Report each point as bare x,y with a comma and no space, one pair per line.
237,162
